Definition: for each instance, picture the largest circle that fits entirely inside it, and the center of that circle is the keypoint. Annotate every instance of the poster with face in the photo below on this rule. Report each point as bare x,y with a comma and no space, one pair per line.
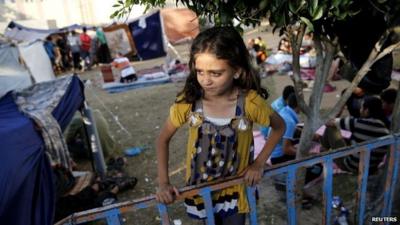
119,39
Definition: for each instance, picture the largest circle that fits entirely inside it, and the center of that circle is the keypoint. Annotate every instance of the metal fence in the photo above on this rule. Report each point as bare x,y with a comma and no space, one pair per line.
112,212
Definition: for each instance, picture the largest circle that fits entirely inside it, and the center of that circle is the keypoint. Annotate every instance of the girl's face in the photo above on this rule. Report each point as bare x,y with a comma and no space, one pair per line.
214,75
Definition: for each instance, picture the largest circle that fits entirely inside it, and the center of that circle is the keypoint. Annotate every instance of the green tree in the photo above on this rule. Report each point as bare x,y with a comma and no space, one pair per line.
294,17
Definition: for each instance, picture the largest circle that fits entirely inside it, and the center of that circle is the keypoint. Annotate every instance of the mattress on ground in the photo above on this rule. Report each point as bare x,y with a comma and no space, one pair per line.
143,81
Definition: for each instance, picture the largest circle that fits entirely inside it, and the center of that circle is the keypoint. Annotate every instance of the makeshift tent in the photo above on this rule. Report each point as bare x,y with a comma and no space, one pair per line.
26,182
18,32
179,24
37,60
12,74
119,40
148,34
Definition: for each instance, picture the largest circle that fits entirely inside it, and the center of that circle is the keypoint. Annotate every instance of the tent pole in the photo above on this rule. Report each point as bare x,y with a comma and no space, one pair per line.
93,135
174,50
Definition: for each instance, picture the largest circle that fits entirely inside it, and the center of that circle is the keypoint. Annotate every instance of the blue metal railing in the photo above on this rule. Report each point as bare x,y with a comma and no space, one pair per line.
112,212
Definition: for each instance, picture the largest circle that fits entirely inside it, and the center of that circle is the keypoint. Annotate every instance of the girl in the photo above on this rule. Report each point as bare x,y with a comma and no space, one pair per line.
221,99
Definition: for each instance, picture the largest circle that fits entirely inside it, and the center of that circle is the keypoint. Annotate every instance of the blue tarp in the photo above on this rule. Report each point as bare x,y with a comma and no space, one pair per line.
27,195
149,36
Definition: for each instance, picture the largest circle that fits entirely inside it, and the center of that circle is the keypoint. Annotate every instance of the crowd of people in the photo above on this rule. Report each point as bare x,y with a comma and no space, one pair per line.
77,51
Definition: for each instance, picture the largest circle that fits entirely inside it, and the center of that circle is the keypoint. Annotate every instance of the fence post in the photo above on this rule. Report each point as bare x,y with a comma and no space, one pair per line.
327,196
391,178
162,209
206,194
113,217
290,195
251,192
363,170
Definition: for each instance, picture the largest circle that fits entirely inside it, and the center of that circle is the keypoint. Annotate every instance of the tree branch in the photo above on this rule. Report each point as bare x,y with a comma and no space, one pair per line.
372,58
298,84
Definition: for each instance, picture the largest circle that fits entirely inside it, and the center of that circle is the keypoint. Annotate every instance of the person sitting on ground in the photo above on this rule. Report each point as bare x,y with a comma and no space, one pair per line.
101,192
279,104
78,142
282,101
176,67
284,46
354,102
261,55
307,44
128,73
260,42
286,150
388,98
371,124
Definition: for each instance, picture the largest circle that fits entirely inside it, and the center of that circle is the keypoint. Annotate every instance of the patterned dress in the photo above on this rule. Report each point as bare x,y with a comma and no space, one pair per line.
219,151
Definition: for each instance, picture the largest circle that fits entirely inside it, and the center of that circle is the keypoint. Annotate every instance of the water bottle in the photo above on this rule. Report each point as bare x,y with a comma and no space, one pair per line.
342,215
134,151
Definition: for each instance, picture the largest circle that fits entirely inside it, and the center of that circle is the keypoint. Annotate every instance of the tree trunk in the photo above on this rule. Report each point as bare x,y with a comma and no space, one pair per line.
396,112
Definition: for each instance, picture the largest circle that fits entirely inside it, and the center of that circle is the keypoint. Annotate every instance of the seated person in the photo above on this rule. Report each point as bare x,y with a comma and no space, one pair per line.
388,98
260,42
279,104
78,142
99,193
176,67
261,55
128,73
284,46
307,44
354,102
371,124
286,150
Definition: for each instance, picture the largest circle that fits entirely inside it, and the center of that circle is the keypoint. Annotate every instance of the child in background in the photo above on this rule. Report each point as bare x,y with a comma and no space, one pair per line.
221,100
128,73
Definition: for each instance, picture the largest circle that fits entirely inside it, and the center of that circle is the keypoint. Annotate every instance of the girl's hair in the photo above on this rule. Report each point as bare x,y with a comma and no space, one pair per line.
375,110
226,43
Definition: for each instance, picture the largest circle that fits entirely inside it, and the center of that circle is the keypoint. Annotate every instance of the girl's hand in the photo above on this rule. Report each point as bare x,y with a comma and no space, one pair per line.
166,193
253,174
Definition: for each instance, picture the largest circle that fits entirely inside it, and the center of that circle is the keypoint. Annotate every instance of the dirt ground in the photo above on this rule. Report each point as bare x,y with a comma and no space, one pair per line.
135,118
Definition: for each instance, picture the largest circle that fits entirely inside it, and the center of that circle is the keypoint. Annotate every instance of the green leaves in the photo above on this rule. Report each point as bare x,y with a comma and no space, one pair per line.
318,13
310,26
314,13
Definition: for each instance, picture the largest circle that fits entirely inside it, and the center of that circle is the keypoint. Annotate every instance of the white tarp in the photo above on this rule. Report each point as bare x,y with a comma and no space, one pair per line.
24,35
12,74
19,32
37,60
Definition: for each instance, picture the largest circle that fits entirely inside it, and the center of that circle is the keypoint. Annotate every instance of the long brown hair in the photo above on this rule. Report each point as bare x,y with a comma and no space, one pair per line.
226,43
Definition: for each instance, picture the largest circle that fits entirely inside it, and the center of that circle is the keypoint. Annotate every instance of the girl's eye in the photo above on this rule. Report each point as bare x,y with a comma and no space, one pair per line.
199,72
215,74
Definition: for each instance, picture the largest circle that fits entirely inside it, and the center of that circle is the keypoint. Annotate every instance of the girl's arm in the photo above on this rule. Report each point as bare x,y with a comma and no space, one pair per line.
165,189
255,171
